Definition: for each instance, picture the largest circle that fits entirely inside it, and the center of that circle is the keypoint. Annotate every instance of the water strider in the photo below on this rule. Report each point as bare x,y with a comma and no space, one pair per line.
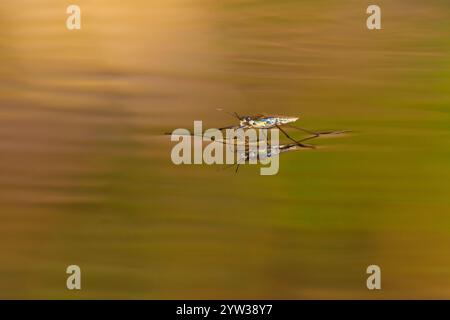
247,153
261,121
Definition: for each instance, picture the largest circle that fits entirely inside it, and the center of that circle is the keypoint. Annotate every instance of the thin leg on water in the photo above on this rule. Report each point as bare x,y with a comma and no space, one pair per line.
308,138
316,133
297,142
227,166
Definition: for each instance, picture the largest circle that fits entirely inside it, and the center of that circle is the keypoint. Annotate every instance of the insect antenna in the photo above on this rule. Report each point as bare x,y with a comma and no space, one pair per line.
234,114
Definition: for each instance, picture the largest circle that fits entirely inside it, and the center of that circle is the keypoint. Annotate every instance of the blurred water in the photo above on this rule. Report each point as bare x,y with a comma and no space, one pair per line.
86,176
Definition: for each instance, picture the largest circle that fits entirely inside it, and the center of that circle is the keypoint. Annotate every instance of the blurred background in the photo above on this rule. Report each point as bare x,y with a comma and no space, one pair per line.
86,176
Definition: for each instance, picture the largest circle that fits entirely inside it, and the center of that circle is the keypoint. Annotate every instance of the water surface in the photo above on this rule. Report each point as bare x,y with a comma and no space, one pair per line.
86,176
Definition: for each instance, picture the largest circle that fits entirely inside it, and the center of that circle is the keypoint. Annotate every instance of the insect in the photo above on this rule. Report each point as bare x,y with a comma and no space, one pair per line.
246,153
261,121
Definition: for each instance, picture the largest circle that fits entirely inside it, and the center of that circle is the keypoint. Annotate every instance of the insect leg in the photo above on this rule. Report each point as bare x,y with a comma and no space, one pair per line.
228,127
232,165
297,142
315,133
308,138
266,137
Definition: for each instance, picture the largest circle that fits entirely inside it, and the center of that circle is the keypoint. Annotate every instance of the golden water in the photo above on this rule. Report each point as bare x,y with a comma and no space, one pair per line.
86,176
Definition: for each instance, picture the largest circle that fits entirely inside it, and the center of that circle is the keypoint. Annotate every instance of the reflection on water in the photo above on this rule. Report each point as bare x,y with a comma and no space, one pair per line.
86,176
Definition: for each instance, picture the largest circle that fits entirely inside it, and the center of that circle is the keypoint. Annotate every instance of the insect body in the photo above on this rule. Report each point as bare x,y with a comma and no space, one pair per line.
265,122
271,121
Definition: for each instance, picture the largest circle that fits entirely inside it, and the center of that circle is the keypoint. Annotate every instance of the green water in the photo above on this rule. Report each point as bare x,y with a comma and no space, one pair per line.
86,176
